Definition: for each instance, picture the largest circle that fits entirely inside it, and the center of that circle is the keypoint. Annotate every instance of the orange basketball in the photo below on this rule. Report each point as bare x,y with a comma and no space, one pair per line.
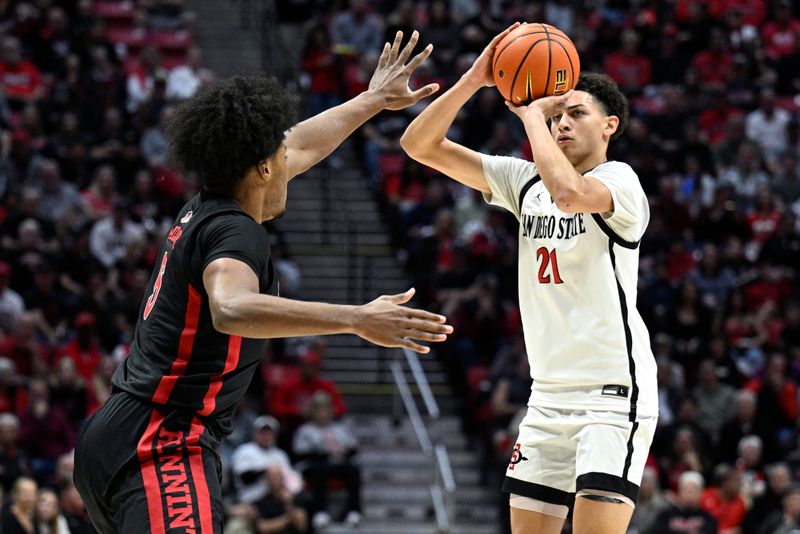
535,60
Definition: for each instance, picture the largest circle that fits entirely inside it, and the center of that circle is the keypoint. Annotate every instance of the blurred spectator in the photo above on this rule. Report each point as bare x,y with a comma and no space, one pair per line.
100,195
686,516
142,80
13,458
45,430
749,464
778,480
111,236
325,449
780,32
28,354
279,511
19,518
724,501
68,391
11,304
290,401
251,460
20,80
356,30
48,514
787,519
184,81
323,69
715,401
649,503
628,67
766,125
74,512
57,197
84,350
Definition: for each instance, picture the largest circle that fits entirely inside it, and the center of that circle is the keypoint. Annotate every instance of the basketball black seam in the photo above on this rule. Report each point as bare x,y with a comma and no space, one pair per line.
497,55
549,60
521,64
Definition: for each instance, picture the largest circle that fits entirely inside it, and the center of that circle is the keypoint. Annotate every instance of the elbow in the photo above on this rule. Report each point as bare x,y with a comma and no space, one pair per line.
223,318
568,200
408,145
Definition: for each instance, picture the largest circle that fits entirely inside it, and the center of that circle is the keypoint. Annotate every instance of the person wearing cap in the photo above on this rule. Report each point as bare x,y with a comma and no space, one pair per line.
289,402
325,449
251,460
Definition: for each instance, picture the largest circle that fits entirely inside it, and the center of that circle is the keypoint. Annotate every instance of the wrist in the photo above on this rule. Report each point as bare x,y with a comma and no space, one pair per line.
471,82
352,317
373,100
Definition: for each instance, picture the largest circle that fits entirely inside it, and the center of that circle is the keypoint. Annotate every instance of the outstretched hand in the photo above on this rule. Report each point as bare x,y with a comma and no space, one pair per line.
390,79
481,71
386,322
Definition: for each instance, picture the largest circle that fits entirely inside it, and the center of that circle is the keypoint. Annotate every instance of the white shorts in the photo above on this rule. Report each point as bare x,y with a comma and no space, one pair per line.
560,452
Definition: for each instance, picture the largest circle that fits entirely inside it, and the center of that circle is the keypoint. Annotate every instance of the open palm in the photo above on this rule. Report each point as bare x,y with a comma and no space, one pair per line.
390,79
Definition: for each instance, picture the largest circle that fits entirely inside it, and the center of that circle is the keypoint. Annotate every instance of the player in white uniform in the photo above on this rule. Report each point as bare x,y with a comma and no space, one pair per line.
593,406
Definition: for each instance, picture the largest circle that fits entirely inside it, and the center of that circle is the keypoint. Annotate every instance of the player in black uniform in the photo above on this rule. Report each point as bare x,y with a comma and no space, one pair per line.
147,460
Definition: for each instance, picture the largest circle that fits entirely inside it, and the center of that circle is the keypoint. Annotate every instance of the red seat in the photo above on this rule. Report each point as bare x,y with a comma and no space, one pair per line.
133,38
109,9
172,40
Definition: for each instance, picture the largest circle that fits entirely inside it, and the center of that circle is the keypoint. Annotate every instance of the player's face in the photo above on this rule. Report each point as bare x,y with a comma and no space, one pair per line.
583,129
275,201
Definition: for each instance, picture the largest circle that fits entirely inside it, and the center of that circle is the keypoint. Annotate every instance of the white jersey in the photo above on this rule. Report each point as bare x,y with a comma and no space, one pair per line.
587,344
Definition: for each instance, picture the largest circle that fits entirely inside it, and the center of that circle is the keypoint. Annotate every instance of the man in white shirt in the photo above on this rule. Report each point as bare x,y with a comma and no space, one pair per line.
11,303
594,404
251,460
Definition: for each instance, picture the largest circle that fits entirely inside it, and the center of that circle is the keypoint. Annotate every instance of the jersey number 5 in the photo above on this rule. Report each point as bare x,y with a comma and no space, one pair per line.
172,238
547,258
151,300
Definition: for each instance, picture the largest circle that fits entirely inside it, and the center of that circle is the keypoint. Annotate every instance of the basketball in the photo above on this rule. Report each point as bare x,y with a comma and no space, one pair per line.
535,60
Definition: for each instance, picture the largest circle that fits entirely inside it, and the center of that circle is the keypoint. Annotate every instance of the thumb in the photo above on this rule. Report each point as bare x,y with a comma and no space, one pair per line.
424,92
402,298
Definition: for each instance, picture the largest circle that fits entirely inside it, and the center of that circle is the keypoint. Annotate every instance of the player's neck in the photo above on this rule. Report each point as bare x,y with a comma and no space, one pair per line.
251,198
590,162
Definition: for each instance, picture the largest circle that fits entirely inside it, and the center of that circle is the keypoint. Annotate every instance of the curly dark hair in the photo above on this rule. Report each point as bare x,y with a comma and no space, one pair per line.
607,93
229,127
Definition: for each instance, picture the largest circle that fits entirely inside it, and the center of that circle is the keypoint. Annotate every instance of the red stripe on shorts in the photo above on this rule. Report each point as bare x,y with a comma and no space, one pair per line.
231,361
152,488
184,348
199,477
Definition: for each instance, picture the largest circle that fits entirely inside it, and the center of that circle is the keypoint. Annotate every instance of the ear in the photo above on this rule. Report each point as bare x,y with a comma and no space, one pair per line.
263,168
612,123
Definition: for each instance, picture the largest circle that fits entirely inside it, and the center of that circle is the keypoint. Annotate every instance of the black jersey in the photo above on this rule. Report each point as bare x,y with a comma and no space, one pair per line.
177,359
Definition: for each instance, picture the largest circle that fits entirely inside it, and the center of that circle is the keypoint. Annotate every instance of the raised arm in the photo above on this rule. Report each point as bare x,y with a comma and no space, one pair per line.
237,308
426,140
312,140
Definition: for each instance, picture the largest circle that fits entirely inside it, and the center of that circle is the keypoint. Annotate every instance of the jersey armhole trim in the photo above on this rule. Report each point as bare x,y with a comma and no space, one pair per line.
525,188
612,235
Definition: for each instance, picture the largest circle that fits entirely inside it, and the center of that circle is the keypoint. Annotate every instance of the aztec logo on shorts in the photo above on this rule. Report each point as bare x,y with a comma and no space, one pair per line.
516,457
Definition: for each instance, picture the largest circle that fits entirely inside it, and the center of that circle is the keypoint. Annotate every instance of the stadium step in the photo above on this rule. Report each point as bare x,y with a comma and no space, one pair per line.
228,48
337,238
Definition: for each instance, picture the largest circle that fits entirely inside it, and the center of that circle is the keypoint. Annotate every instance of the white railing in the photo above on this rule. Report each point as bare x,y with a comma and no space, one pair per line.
443,485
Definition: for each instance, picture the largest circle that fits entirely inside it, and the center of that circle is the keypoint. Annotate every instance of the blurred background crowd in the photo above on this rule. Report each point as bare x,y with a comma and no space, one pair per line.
87,193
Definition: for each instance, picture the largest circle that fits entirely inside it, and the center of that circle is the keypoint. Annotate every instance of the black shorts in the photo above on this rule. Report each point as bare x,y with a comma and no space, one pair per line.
140,469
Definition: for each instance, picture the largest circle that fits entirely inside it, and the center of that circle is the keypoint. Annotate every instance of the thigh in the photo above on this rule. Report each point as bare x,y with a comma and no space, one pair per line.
542,466
173,485
595,517
526,521
612,451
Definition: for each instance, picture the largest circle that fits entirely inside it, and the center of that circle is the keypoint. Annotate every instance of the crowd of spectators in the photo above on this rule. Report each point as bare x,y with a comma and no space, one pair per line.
87,193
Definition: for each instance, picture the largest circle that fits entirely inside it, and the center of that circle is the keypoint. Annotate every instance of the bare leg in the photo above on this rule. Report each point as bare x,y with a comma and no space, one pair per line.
527,522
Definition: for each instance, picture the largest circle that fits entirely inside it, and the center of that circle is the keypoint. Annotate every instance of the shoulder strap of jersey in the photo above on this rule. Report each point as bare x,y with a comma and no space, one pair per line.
525,188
